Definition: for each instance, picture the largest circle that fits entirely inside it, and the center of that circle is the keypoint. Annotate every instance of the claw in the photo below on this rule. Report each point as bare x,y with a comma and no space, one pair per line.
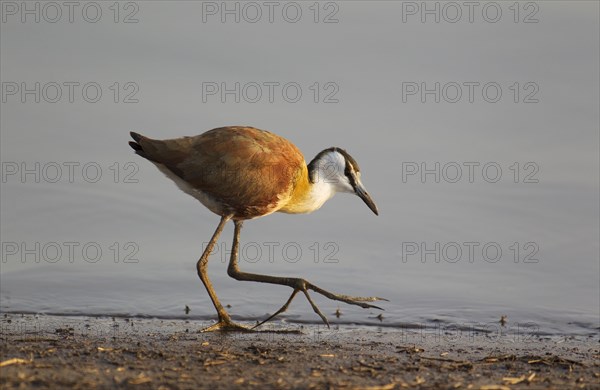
226,326
304,286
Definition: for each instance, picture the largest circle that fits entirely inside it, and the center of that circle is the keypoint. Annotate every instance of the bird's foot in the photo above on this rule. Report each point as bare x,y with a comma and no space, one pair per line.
226,326
304,286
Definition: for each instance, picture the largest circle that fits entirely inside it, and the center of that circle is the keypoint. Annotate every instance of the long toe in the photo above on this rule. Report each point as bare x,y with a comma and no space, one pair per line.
226,326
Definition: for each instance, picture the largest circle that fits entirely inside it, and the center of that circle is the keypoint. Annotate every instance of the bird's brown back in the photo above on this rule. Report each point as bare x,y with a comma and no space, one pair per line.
252,172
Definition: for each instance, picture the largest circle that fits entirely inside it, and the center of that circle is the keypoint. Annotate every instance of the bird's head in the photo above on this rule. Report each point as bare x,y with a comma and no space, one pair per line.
336,169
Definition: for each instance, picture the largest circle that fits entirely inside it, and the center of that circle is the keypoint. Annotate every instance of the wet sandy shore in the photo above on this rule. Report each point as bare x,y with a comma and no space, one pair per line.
83,352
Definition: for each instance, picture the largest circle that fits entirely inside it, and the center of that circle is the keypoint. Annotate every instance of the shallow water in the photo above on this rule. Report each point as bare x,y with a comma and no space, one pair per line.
123,240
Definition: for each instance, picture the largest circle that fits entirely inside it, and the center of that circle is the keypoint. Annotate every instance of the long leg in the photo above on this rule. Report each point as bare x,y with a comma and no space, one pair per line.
224,322
297,284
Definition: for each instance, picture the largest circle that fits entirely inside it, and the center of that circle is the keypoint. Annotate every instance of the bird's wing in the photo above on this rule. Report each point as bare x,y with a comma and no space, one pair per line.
241,166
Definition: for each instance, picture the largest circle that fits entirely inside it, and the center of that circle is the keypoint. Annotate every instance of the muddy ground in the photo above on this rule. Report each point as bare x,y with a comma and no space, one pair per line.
132,353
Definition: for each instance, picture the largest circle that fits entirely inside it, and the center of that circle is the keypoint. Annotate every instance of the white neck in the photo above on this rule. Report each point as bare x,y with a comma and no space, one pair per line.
319,193
327,177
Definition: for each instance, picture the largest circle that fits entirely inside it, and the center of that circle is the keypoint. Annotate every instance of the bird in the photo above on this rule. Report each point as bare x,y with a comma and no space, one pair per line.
242,173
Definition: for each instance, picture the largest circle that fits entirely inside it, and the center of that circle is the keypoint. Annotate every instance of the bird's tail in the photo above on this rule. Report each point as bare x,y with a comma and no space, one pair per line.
137,144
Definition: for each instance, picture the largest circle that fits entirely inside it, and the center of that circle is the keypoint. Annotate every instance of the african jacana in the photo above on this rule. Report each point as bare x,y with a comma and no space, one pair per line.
243,173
